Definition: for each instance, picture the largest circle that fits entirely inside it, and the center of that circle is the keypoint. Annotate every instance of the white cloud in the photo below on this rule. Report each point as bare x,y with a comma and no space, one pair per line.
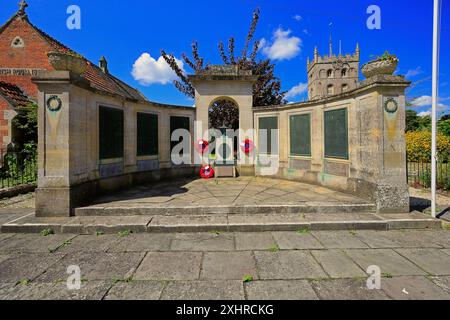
424,114
147,70
421,101
305,31
298,17
413,72
283,47
424,101
297,90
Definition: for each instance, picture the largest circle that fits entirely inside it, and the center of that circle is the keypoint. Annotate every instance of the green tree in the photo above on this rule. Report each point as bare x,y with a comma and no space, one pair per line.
412,121
444,127
26,124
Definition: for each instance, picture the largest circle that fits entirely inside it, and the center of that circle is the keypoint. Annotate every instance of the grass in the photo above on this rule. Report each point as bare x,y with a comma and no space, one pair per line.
247,279
387,275
46,232
353,232
62,245
303,231
99,233
125,233
24,282
274,248
215,232
119,280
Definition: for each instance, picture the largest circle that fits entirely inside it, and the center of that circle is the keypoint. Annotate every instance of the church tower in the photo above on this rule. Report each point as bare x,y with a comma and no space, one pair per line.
332,74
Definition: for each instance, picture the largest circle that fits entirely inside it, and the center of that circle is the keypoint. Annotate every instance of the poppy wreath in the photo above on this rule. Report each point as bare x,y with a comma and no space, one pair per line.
207,172
247,146
202,146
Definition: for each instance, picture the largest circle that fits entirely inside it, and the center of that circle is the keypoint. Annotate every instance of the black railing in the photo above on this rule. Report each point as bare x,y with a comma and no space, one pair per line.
18,168
419,175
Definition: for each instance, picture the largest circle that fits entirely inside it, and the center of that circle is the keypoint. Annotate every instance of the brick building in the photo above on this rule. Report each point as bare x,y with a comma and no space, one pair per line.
23,54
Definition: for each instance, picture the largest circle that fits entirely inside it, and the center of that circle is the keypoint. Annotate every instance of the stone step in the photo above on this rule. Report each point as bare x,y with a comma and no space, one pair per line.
221,223
236,209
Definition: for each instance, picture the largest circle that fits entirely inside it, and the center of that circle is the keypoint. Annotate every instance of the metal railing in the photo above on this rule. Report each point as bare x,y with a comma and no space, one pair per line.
17,168
419,175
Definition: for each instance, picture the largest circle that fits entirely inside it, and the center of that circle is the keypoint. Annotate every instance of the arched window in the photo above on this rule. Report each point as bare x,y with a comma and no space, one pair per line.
330,89
344,87
344,73
329,73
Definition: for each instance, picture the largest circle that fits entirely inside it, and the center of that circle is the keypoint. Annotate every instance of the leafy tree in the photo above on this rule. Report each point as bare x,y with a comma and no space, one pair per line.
266,91
26,124
444,127
412,121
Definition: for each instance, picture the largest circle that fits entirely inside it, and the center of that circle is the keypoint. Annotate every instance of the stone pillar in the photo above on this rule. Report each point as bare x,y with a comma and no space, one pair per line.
57,105
382,154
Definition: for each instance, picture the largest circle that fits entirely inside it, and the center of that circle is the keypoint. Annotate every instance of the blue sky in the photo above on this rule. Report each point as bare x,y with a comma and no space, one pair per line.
124,30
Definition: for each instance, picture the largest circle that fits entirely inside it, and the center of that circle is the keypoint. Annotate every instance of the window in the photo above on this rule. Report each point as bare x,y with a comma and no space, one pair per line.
336,134
330,89
344,87
175,124
111,133
344,73
329,73
17,43
147,134
300,135
267,135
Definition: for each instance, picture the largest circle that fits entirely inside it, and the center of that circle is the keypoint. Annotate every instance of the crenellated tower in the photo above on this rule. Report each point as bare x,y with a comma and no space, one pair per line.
332,74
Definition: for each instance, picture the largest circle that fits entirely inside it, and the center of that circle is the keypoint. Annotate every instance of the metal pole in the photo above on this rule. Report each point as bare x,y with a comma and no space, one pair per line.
434,104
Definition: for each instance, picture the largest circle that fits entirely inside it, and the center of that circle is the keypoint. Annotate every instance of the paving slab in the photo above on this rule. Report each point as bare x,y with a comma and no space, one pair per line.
266,222
228,265
413,288
203,242
283,265
412,220
395,239
280,290
32,224
339,239
106,224
33,243
434,261
183,223
136,290
254,241
26,266
141,243
442,282
4,236
170,266
389,261
92,290
204,290
94,266
337,264
89,243
346,289
296,240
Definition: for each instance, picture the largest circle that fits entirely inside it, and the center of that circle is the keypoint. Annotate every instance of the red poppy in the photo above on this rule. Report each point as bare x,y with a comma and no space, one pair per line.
207,172
201,146
247,146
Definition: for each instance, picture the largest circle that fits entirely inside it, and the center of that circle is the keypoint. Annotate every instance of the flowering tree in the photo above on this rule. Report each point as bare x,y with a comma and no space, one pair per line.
267,89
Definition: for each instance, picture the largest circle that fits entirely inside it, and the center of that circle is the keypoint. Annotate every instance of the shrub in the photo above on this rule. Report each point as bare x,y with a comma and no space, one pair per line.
418,146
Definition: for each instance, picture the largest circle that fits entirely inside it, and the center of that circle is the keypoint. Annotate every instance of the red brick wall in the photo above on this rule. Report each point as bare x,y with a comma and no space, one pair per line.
33,55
